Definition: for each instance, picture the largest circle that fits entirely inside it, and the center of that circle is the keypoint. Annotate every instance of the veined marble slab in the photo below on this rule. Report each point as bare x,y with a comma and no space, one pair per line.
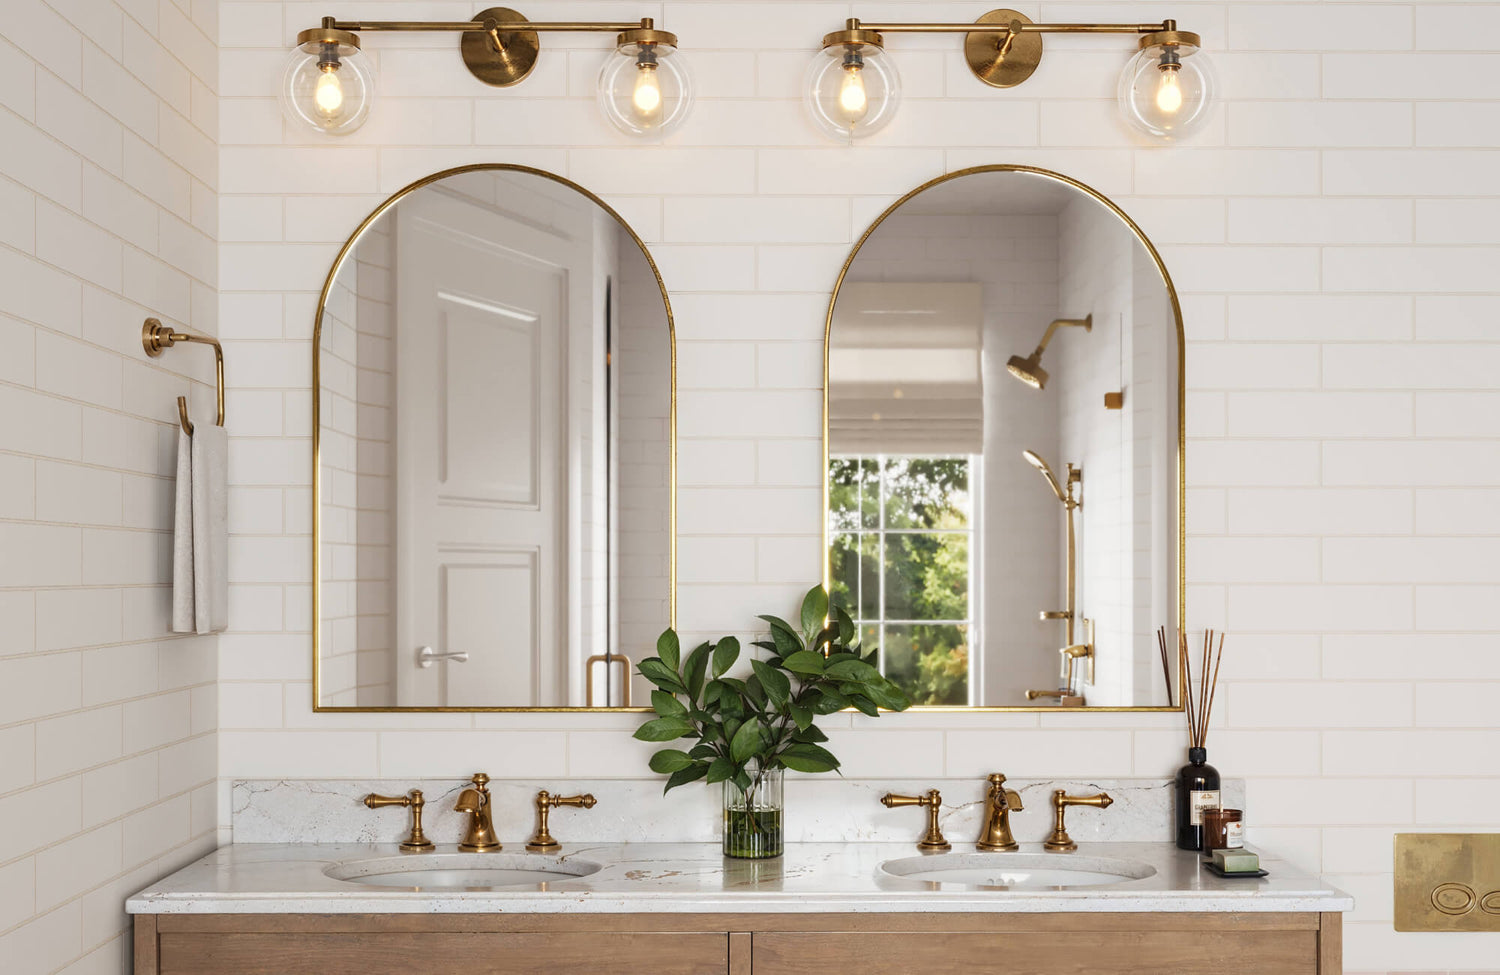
696,878
825,809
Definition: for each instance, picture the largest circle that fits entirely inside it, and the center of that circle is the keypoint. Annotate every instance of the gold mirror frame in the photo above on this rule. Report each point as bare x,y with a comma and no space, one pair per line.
317,386
1166,278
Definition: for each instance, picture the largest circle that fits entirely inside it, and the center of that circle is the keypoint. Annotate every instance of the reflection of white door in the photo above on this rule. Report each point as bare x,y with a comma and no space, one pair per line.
481,501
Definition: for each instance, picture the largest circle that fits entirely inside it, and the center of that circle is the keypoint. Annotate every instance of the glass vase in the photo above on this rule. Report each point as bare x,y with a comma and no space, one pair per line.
752,819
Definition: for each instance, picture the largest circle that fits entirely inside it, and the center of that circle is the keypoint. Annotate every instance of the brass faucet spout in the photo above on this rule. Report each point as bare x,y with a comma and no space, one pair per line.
480,835
994,834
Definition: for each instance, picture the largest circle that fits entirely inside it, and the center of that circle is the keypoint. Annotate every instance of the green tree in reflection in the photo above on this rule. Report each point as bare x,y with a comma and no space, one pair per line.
923,503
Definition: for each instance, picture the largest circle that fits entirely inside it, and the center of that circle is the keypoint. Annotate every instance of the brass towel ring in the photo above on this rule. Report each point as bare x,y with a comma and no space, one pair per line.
156,337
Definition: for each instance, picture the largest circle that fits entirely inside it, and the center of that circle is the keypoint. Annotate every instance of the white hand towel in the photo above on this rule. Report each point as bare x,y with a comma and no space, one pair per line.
183,620
200,543
210,528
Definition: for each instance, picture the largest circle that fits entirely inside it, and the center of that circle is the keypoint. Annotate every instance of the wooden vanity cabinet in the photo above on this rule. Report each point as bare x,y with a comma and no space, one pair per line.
738,944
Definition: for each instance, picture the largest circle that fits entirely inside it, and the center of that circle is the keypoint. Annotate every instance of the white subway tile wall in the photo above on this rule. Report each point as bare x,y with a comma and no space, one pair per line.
1333,235
108,214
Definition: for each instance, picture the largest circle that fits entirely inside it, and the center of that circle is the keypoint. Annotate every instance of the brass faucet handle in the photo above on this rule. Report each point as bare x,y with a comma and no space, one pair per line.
1060,841
544,841
933,839
417,841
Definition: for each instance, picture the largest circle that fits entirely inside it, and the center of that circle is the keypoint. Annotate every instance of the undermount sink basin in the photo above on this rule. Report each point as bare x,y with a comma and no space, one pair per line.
461,871
1017,871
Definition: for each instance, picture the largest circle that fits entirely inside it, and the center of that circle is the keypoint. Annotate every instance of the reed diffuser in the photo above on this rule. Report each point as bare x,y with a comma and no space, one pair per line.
1198,784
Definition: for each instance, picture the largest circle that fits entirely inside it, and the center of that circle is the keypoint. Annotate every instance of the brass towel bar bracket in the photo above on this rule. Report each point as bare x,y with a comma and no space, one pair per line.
156,337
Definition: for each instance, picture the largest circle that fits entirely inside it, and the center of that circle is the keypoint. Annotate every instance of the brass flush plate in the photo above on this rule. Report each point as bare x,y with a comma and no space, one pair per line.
1448,881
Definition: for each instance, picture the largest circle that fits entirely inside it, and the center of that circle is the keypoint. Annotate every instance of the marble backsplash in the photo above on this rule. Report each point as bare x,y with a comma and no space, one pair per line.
824,809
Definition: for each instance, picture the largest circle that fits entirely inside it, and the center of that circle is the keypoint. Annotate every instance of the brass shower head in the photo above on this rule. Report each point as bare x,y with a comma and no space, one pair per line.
1029,370
1041,465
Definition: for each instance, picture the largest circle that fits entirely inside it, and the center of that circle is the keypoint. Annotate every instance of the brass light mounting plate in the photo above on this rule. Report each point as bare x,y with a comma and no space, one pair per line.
982,49
506,67
1447,881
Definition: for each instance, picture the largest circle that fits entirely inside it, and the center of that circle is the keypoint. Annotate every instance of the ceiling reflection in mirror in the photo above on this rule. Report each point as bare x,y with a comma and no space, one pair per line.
1004,447
494,451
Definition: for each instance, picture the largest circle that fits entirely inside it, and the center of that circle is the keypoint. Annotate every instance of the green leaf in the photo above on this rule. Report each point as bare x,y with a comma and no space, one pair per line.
692,773
703,752
778,686
742,781
669,649
725,654
804,662
720,769
695,669
811,734
847,630
663,729
851,670
864,704
787,640
711,692
829,702
666,705
661,675
670,760
801,716
808,758
814,609
755,694
746,742
887,695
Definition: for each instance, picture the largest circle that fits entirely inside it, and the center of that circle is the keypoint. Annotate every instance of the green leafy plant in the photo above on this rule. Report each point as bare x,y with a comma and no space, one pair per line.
766,719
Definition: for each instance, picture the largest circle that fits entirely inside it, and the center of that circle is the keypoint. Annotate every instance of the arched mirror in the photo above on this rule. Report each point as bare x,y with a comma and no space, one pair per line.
1004,439
493,451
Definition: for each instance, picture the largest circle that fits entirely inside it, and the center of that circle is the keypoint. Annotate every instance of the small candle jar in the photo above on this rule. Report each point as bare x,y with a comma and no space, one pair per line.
1223,829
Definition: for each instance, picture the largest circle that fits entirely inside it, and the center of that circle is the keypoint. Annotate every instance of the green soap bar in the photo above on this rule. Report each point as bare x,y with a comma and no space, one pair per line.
1236,861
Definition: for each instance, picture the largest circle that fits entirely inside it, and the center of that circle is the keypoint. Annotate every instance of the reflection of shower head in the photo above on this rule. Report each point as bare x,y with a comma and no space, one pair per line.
1041,465
1029,370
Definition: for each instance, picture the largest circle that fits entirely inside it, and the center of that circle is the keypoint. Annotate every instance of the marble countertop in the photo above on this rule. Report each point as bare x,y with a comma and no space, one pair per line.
696,878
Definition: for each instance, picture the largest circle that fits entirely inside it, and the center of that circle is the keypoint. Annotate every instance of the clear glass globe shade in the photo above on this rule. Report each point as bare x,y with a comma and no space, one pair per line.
646,92
1167,93
852,90
329,96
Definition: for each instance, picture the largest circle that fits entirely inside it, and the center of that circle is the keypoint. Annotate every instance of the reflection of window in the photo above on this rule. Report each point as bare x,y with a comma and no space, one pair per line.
903,563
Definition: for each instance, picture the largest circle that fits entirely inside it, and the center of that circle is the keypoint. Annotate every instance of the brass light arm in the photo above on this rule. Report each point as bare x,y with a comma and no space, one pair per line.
932,28
359,26
417,842
932,840
1060,841
544,841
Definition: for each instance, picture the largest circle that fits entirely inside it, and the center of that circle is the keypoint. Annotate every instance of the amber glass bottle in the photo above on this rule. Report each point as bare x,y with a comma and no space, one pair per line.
1197,790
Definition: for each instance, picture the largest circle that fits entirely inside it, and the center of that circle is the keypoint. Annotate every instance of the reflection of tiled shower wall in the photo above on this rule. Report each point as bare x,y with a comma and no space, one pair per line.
338,449
375,260
643,384
1015,259
1096,279
1150,414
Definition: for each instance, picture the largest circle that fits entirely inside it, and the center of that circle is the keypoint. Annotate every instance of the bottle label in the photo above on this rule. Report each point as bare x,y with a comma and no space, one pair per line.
1234,836
1199,801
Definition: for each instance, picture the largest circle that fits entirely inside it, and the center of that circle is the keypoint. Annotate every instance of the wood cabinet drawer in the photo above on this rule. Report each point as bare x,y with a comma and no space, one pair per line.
1083,952
487,953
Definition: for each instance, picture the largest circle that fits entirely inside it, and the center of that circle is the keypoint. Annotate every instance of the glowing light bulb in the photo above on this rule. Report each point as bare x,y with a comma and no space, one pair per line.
854,102
328,94
646,98
1169,92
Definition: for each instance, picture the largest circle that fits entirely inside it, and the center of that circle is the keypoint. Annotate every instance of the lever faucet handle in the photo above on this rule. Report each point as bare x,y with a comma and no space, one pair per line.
416,841
1060,841
932,840
544,841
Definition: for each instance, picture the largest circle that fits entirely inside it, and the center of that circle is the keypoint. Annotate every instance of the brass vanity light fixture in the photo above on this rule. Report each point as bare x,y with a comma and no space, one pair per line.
544,841
1060,841
932,840
1029,370
852,87
417,842
644,87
